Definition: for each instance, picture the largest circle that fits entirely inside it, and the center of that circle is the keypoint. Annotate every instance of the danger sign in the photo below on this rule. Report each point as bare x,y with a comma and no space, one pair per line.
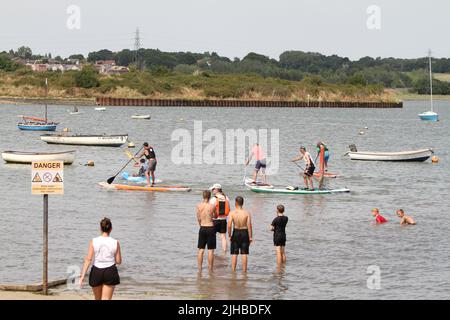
47,177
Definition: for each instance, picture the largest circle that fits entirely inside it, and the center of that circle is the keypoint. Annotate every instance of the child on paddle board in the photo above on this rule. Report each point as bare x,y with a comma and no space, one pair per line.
404,219
309,169
143,168
278,227
378,217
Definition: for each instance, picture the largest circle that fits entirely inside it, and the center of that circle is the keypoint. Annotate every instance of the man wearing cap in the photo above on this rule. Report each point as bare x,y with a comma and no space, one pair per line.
221,205
149,154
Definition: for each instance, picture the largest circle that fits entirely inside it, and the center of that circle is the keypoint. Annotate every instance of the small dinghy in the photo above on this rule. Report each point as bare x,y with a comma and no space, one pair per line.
38,124
86,140
416,155
100,109
75,111
141,117
28,157
115,186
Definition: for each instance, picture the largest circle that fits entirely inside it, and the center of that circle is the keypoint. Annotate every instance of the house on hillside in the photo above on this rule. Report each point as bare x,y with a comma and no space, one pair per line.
116,70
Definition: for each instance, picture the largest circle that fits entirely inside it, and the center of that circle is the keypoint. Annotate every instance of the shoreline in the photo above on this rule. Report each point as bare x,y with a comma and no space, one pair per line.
147,102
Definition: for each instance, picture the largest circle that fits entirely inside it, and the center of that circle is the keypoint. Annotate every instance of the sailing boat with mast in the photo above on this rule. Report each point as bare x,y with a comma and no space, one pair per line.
430,115
38,124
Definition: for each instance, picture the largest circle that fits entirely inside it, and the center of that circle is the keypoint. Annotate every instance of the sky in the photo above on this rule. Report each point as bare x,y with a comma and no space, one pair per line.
232,28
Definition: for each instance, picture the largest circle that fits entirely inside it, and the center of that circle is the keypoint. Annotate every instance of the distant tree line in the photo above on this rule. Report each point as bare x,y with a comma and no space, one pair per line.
291,65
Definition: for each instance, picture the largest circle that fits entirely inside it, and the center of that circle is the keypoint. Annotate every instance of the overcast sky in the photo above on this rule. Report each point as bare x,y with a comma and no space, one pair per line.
230,27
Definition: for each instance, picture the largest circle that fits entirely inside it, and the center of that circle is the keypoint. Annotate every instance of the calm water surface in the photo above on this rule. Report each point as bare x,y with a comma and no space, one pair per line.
331,238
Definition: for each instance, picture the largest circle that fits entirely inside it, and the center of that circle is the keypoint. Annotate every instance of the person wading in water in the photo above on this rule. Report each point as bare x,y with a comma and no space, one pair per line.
104,254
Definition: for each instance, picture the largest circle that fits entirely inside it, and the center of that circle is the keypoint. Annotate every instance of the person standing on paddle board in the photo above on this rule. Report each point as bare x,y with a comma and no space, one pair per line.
260,158
221,205
240,231
150,155
104,254
326,155
309,167
207,232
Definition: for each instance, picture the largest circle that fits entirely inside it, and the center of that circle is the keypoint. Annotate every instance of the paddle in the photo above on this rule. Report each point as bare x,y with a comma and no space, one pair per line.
110,180
245,173
130,155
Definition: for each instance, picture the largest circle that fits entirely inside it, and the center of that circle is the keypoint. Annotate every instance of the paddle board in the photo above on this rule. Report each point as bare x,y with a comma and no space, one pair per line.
115,186
249,183
299,191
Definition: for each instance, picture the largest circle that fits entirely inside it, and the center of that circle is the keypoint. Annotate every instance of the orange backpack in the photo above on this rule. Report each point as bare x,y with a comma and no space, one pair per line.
222,205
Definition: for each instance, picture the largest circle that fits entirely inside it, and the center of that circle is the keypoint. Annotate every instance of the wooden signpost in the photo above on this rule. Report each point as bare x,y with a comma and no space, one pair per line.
47,177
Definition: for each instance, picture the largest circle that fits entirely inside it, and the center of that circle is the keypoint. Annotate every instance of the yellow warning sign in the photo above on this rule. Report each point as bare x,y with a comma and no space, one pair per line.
57,178
47,177
36,178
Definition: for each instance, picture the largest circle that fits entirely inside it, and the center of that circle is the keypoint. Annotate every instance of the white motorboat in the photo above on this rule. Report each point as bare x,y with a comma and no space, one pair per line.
86,140
100,109
416,155
143,116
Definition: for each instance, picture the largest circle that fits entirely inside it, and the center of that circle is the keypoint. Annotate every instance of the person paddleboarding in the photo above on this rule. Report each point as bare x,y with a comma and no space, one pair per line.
309,167
149,153
260,164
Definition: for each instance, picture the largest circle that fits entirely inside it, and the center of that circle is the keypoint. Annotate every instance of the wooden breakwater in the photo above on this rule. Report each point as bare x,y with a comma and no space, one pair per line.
107,101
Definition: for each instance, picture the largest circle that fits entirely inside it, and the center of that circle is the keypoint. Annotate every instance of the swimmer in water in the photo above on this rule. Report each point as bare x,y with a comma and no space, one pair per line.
378,217
404,219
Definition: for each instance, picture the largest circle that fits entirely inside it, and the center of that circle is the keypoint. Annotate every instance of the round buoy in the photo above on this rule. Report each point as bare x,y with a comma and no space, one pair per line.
90,163
361,132
131,145
434,159
66,129
366,128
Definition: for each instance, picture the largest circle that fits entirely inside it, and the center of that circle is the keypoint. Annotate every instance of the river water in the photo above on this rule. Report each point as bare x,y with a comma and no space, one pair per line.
332,240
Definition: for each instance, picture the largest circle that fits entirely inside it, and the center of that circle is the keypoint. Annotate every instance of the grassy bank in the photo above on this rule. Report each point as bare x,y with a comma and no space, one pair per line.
163,84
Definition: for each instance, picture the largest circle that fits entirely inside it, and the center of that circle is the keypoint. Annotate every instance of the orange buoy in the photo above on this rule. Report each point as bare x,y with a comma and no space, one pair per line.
434,159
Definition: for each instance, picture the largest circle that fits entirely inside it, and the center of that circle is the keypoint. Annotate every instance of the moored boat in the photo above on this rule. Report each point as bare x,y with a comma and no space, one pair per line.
86,140
100,109
38,124
159,188
142,117
430,115
416,155
27,157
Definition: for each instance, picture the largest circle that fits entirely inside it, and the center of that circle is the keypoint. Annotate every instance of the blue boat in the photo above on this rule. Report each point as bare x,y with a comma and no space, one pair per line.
429,115
38,124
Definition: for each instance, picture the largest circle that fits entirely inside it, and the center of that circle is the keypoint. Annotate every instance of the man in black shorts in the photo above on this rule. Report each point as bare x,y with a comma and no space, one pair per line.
309,167
207,232
149,153
240,232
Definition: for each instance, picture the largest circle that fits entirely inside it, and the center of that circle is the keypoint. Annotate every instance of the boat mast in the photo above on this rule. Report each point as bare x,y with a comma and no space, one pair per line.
46,94
431,80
